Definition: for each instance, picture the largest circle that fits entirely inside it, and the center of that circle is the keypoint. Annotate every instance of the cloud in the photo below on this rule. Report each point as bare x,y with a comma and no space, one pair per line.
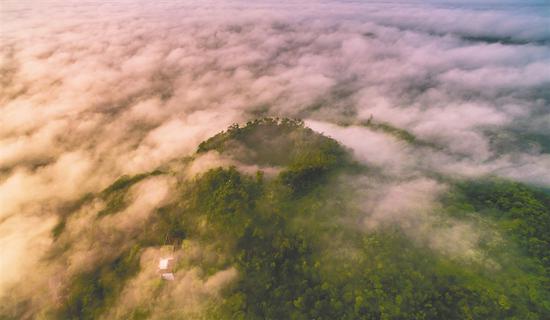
91,91
371,147
186,297
23,240
406,203
412,205
25,191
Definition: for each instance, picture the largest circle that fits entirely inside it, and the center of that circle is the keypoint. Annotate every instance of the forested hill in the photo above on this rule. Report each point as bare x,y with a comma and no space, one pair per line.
293,244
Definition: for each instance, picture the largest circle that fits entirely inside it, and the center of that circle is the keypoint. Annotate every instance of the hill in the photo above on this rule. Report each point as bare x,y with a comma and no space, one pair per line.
293,245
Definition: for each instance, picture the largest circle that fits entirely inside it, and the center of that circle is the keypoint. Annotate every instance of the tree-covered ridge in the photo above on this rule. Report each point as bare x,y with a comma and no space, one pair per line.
522,139
299,257
115,194
275,142
396,132
521,212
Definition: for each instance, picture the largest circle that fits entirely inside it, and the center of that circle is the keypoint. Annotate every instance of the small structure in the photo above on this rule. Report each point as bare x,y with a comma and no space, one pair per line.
166,266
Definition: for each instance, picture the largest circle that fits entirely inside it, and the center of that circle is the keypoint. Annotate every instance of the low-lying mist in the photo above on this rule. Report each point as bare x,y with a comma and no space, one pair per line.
425,117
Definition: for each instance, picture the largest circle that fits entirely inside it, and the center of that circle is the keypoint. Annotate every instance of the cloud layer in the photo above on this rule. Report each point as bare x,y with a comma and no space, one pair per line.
91,90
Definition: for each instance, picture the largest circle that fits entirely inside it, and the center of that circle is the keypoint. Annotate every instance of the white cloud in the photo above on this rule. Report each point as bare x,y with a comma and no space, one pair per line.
90,91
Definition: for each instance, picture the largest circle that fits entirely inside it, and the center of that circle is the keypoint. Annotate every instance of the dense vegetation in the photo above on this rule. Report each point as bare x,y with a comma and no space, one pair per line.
398,133
521,212
295,241
276,142
93,292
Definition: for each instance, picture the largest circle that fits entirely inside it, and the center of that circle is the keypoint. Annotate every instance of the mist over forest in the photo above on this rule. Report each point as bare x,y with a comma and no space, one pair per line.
293,159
